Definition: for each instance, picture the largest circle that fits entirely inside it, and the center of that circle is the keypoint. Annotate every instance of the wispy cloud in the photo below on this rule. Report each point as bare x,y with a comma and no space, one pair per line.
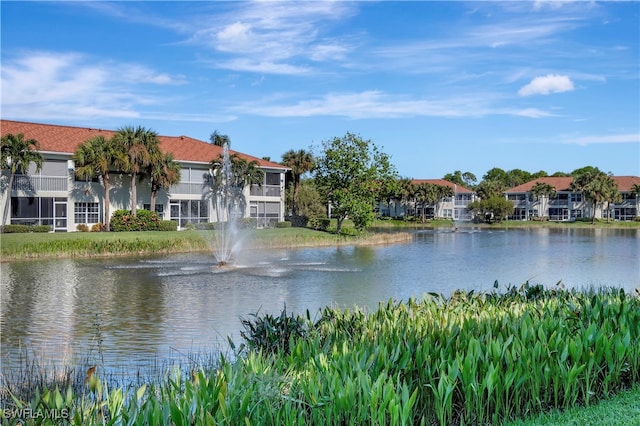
48,84
376,104
274,37
603,139
550,83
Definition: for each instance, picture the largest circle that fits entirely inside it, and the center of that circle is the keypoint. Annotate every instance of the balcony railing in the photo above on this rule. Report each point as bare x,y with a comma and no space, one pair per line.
265,190
187,188
38,183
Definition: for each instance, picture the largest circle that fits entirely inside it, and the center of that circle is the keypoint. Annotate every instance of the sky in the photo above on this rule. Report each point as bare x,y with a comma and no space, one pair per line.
438,86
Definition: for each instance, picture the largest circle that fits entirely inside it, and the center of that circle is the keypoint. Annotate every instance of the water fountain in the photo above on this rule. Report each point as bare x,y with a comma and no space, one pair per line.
454,211
228,238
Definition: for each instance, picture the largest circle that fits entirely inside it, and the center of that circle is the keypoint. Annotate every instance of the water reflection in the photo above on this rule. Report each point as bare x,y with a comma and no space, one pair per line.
142,309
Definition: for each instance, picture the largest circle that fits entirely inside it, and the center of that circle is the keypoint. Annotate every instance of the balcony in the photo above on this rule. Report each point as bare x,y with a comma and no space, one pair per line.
265,190
39,183
190,188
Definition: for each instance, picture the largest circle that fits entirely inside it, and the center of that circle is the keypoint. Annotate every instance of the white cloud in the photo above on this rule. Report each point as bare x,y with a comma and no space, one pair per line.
606,139
275,37
550,83
53,85
374,104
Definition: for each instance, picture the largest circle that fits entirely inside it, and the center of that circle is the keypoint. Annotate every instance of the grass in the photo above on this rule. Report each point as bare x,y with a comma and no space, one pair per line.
622,410
475,359
83,244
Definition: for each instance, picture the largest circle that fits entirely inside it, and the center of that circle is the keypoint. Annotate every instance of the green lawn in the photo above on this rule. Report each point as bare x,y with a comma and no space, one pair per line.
621,410
81,244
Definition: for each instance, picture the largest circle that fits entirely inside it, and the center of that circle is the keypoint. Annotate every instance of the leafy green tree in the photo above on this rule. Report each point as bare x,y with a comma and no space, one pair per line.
635,189
492,209
489,188
96,157
300,162
141,146
310,202
351,171
163,172
543,191
455,177
466,179
219,139
16,154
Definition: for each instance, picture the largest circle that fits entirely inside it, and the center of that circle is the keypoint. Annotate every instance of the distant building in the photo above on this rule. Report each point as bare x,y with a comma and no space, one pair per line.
55,197
567,205
454,207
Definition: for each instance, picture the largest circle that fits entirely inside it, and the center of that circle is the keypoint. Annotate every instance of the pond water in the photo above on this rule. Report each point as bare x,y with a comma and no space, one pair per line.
142,310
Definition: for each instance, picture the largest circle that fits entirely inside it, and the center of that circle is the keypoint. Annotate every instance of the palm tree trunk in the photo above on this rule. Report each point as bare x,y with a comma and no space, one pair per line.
107,201
134,195
294,207
152,202
593,214
8,200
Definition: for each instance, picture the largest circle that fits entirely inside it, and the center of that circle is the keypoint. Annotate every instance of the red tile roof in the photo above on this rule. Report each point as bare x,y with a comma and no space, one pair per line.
442,182
564,183
65,139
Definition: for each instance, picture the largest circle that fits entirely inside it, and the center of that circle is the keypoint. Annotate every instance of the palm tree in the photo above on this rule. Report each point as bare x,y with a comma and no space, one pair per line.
16,154
219,139
611,193
95,158
164,172
426,194
300,162
443,192
542,191
243,173
140,145
407,194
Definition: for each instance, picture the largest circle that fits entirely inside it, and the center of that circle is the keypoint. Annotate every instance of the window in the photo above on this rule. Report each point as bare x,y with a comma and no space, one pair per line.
576,197
188,211
576,213
267,213
272,178
447,213
86,213
31,211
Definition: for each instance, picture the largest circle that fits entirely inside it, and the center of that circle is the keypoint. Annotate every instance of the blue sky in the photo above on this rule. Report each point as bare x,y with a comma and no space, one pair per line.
439,86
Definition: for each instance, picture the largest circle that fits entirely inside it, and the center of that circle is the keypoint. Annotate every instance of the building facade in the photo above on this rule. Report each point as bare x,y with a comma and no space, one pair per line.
568,205
54,196
454,207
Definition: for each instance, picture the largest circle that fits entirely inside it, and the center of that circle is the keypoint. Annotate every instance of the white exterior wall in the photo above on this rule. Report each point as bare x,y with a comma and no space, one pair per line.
77,191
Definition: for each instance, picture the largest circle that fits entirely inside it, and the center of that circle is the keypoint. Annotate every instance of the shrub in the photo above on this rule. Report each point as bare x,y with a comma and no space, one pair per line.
283,225
298,221
272,334
82,227
168,225
205,226
22,229
319,223
145,220
98,227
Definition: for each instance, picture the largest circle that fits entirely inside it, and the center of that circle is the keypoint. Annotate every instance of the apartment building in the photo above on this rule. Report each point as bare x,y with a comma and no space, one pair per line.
568,205
54,196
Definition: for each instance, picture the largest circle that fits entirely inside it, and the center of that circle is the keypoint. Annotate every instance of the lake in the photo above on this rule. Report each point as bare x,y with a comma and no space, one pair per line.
137,311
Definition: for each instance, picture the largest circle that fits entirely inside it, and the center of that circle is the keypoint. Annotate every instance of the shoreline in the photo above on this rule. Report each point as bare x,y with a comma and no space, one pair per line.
120,244
18,247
